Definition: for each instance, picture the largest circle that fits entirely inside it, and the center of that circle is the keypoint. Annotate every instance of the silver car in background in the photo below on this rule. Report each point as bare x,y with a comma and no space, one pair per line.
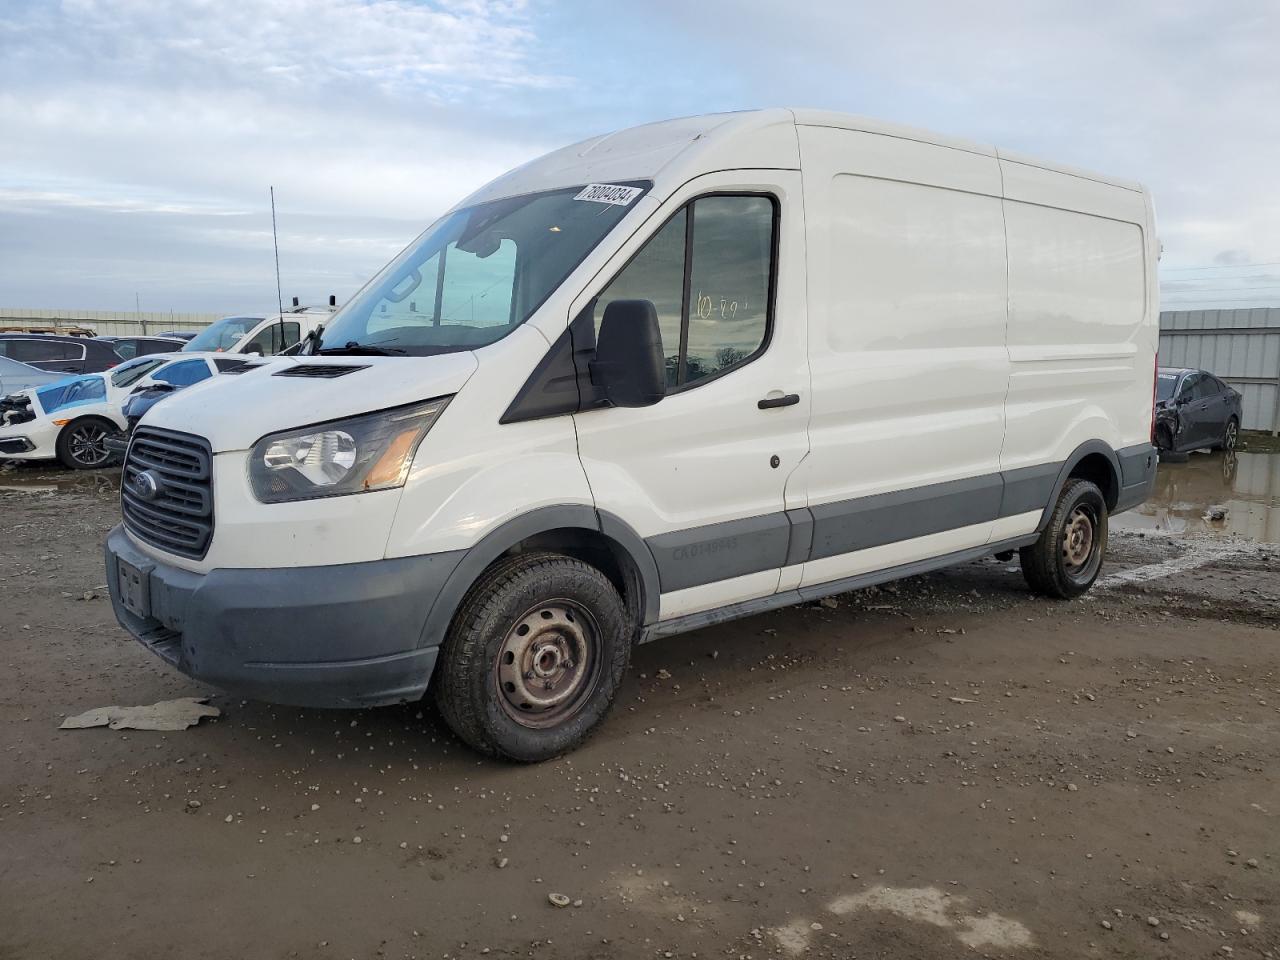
16,375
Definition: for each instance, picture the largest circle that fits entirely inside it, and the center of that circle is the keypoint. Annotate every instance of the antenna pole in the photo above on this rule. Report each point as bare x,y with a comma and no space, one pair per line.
275,242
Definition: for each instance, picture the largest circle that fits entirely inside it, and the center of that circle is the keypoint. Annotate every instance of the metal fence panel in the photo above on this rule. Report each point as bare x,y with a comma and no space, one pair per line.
109,322
1240,346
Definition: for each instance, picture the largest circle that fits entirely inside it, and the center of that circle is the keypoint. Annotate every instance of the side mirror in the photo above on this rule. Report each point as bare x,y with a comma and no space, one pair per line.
629,366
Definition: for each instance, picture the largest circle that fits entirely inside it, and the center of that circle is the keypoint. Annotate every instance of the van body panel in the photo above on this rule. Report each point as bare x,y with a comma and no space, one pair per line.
668,152
721,593
263,403
1082,328
458,490
908,295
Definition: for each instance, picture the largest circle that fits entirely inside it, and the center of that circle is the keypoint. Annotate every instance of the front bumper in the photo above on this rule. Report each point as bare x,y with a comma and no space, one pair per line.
349,635
33,440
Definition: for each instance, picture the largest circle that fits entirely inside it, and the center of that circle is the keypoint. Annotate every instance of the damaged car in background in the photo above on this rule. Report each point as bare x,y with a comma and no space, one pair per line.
75,419
1195,411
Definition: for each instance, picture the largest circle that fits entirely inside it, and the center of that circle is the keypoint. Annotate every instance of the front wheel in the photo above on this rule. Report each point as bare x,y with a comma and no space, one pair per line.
1066,559
81,444
534,657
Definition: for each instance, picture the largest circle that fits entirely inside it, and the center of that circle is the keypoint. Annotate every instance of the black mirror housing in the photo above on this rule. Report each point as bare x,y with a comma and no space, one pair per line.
629,366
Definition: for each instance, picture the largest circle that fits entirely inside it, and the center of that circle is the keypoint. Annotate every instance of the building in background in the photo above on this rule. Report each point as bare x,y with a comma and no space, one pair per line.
1241,347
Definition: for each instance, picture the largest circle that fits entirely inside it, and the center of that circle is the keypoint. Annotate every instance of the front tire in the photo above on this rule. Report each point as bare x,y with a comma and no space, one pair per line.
81,444
533,658
1065,561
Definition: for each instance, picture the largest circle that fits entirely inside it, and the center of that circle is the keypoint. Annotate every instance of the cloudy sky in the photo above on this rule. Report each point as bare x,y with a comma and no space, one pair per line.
140,136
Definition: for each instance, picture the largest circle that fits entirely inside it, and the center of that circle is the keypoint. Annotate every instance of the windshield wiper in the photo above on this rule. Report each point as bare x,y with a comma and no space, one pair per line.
353,349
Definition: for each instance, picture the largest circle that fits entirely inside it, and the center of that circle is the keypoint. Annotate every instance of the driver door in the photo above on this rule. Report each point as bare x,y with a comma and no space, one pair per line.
702,474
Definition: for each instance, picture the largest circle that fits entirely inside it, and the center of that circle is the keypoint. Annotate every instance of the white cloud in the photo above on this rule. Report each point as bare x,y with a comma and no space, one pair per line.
375,115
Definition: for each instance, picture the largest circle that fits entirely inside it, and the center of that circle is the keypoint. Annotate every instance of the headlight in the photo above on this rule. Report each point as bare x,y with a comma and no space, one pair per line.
369,452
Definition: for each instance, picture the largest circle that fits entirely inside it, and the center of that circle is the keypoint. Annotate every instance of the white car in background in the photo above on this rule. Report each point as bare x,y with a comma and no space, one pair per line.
73,418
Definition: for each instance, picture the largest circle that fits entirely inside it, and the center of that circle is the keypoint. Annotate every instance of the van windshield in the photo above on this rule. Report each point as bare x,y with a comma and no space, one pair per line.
477,273
222,335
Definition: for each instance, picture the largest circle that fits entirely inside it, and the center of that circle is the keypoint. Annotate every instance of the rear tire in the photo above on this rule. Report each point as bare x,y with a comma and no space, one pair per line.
1066,559
1230,434
80,444
533,658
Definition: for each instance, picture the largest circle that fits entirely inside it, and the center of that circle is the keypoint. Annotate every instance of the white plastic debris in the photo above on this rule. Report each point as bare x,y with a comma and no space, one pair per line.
165,715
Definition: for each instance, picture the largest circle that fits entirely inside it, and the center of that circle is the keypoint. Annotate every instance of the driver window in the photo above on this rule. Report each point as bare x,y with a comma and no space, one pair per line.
712,294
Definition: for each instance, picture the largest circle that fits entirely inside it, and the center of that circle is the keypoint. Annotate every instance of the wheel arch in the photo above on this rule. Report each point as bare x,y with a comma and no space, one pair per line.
1093,460
97,415
576,530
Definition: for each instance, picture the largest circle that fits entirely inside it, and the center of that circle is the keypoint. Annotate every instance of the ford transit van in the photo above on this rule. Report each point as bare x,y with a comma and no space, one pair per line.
656,380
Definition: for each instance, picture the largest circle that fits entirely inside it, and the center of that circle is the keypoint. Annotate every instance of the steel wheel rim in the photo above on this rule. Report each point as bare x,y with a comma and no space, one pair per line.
1230,440
548,663
86,445
1079,539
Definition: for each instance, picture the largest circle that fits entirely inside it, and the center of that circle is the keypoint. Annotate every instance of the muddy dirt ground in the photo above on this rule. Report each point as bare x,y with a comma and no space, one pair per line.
942,768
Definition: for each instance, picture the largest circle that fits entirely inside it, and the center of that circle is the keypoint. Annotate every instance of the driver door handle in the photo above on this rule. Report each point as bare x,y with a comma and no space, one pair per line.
786,400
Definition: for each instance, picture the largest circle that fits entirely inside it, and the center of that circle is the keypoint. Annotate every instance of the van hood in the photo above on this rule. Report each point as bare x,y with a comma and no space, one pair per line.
234,411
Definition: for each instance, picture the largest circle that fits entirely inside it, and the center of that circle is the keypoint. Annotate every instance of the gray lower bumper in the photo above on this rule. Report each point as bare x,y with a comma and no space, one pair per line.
338,636
1137,475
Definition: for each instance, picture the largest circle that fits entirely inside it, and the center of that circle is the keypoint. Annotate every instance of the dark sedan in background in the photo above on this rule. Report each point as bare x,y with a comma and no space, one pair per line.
57,354
1195,411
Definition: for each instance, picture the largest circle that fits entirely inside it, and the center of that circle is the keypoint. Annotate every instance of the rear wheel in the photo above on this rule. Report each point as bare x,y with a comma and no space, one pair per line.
534,657
82,445
1067,558
1230,434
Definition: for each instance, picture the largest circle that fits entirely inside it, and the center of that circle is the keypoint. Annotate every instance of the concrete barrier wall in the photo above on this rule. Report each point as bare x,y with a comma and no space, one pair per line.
118,323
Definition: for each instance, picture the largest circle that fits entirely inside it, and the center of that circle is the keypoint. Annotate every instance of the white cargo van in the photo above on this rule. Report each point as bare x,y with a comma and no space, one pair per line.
653,381
265,336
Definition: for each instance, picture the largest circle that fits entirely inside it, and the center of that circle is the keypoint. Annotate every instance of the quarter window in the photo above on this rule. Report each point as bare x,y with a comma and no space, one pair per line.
708,272
268,341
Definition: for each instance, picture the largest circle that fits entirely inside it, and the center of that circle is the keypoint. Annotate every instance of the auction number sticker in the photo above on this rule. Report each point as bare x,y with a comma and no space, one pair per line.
609,193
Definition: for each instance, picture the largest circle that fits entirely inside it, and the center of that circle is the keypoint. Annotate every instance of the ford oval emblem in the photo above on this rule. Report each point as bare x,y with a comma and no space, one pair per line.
146,485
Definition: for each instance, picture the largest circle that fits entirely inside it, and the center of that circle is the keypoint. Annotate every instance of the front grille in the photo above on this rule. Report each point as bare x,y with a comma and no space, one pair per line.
178,517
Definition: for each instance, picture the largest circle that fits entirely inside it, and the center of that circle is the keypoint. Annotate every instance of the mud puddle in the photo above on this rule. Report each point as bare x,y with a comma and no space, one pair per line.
38,478
1227,495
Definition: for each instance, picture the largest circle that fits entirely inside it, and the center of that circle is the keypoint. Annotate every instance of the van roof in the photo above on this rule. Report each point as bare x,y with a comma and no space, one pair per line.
750,138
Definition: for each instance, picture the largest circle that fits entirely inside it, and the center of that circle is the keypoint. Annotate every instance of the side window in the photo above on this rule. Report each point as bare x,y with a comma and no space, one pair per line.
184,374
127,349
1205,387
1188,389
708,271
656,273
269,342
40,351
728,282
